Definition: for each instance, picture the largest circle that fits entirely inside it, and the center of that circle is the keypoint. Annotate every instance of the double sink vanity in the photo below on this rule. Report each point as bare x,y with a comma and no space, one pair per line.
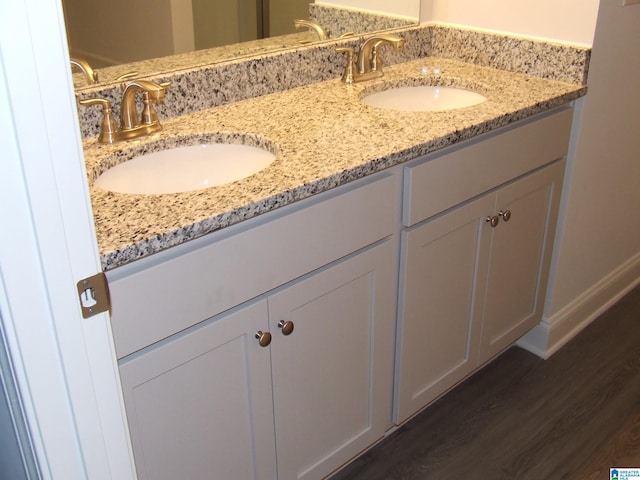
279,325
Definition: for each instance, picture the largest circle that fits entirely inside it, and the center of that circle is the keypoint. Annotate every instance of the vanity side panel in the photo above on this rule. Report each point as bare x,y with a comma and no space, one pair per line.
442,182
155,302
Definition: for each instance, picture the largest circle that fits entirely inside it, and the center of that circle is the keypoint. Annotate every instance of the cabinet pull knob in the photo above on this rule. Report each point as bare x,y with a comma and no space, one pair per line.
286,327
493,220
506,215
264,338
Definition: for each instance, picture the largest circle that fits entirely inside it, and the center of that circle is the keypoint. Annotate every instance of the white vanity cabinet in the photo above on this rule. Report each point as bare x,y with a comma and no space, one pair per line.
475,255
520,255
301,372
440,313
200,406
285,345
333,375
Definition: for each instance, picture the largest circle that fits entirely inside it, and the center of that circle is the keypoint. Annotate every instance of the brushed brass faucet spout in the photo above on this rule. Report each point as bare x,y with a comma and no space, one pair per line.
311,25
90,75
368,60
154,92
367,65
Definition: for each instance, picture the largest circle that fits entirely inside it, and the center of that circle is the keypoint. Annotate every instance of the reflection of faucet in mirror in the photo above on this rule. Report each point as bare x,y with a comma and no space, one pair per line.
131,125
312,25
204,26
367,65
90,75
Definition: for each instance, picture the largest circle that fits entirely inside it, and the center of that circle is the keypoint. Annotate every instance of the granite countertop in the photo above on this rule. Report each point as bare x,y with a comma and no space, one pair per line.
323,135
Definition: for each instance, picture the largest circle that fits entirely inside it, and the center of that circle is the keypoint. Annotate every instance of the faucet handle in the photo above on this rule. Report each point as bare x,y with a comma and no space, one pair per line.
149,115
348,75
109,127
375,61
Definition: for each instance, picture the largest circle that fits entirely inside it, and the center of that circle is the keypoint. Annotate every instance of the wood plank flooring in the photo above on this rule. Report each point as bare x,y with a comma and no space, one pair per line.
570,417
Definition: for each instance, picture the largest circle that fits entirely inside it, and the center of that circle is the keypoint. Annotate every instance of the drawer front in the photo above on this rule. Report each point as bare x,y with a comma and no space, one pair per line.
441,181
155,302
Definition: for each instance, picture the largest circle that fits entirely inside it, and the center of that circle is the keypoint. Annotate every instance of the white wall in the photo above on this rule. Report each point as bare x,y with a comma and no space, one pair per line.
562,20
403,8
597,254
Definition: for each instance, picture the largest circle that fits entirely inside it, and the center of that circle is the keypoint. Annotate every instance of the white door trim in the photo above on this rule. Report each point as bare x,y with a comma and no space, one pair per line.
65,366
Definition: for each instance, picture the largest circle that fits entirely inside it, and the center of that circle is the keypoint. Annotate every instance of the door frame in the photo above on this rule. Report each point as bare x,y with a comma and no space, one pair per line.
64,365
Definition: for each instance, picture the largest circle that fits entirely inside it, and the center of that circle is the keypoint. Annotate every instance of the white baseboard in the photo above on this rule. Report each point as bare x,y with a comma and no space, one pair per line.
554,332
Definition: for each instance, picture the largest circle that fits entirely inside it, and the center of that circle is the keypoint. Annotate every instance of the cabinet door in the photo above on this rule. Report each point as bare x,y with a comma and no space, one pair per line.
441,293
200,406
520,258
333,375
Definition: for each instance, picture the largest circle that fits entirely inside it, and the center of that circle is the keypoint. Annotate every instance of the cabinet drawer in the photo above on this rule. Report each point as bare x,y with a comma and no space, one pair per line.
164,297
441,181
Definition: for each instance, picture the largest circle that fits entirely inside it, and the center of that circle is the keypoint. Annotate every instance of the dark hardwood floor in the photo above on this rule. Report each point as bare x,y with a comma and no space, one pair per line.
570,417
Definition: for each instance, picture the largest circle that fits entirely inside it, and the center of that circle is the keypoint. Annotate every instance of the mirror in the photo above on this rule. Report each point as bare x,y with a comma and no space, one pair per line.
149,36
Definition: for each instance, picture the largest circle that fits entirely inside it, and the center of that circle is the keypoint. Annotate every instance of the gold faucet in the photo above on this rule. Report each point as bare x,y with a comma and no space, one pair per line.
131,125
367,65
311,25
90,75
151,93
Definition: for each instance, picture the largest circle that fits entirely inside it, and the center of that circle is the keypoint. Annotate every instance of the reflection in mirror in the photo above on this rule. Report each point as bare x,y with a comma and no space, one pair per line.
120,36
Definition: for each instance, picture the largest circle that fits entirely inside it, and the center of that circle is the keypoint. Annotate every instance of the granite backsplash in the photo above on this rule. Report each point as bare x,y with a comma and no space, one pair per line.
208,85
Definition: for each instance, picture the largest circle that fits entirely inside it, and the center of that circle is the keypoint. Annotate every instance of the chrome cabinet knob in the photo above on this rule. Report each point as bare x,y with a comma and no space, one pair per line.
264,338
286,327
493,220
506,215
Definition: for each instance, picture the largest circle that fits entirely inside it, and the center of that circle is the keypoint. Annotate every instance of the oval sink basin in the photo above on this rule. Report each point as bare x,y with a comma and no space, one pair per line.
424,98
185,169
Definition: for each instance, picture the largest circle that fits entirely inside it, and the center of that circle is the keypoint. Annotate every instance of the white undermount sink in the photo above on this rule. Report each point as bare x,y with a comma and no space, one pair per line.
423,98
185,169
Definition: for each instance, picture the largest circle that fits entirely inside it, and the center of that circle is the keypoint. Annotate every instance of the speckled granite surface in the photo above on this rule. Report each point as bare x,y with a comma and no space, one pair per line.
197,58
339,21
342,141
554,61
204,86
200,86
